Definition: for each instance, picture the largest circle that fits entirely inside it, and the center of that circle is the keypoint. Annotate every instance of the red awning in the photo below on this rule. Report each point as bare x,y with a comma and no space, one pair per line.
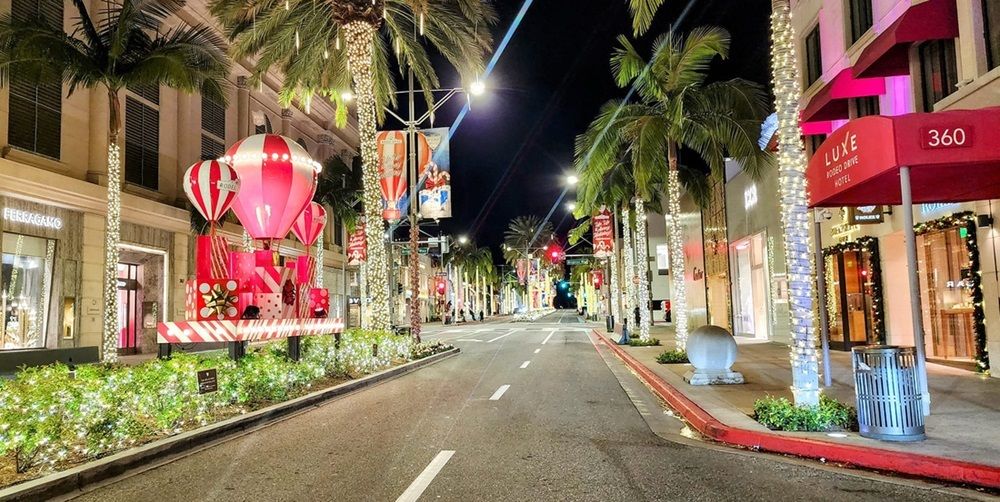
830,103
888,54
953,157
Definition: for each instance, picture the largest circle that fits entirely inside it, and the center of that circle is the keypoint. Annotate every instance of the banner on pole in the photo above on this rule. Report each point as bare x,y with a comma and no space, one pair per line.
434,157
604,235
522,270
357,246
391,151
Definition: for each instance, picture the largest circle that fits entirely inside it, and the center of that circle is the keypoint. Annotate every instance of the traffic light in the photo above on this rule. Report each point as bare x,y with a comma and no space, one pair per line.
441,286
555,253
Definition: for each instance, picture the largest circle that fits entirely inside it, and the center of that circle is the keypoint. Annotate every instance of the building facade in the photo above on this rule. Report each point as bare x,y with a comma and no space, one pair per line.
53,174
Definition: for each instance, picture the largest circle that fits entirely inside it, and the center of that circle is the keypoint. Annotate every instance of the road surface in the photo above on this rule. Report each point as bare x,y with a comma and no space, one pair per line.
527,411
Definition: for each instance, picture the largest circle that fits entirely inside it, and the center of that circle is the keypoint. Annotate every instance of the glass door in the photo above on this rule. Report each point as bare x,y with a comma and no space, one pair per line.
946,294
129,309
750,287
850,305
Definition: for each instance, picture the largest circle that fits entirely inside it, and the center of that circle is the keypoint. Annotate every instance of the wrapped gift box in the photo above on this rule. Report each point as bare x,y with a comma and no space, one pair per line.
211,257
213,299
319,299
305,270
243,269
272,278
269,304
289,300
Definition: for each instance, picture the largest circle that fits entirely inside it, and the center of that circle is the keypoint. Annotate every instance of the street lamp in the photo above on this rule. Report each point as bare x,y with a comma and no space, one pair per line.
572,180
571,206
478,88
463,240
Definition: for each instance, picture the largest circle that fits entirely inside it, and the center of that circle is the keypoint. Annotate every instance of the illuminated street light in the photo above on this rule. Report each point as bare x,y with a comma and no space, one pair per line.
478,88
572,179
571,206
463,240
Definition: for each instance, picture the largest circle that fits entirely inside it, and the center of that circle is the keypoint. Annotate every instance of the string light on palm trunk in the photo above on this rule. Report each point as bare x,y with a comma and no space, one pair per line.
678,309
641,267
110,328
794,211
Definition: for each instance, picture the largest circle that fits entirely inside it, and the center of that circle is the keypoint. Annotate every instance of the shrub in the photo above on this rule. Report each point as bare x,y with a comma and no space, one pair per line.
427,349
672,357
781,414
639,342
49,417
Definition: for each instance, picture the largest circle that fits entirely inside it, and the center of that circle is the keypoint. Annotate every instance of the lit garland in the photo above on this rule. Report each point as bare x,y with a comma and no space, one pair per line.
773,290
112,230
642,265
967,220
627,250
247,242
675,243
865,244
360,38
613,264
794,207
320,256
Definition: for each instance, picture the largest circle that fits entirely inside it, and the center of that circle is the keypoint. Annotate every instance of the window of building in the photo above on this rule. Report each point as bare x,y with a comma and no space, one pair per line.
991,27
338,231
938,71
814,141
814,58
262,124
34,123
142,136
27,284
866,106
662,259
213,129
860,18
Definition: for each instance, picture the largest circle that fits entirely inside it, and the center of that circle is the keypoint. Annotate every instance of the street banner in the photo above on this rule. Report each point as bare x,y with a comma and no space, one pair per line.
604,235
391,150
434,155
357,246
597,278
522,270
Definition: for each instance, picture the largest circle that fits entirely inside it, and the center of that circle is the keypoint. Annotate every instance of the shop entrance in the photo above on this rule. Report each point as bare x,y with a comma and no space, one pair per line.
142,291
129,308
946,286
751,288
850,302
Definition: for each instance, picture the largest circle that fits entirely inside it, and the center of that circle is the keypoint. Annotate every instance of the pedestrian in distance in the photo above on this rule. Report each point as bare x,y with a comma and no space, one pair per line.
481,315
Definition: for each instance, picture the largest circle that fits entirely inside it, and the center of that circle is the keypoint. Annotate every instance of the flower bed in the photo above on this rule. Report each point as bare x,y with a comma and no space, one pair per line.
640,342
672,357
782,415
52,419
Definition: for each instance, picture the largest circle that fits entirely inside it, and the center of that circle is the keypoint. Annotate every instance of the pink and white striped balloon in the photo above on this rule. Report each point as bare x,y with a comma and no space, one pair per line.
309,225
278,180
212,187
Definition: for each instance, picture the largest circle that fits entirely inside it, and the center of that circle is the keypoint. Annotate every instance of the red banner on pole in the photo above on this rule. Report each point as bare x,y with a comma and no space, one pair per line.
604,235
357,246
522,270
391,148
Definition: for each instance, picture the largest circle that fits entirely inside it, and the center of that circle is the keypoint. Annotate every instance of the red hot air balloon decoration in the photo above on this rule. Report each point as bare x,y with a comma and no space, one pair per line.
309,225
391,147
211,186
277,181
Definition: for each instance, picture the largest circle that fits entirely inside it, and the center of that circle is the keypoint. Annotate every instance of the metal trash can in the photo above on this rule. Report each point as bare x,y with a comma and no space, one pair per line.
888,397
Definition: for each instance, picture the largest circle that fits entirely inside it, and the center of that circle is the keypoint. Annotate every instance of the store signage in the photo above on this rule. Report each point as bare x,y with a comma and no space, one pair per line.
750,197
865,215
603,228
34,219
208,381
946,137
937,208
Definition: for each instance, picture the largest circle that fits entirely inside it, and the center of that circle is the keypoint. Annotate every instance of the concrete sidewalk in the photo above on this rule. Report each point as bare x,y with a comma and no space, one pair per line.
965,406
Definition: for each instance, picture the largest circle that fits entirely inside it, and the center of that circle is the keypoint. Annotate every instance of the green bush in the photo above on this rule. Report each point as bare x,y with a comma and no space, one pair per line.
427,349
782,415
49,416
672,357
639,342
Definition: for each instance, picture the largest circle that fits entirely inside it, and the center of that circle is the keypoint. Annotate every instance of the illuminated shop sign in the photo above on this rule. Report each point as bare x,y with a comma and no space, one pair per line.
35,219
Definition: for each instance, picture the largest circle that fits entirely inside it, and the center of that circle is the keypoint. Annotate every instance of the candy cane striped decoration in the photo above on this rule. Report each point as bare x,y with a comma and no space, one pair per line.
250,330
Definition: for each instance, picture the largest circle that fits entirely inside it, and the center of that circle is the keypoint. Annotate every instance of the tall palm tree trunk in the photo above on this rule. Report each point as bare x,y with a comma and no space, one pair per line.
414,277
642,267
112,229
359,37
628,250
794,208
678,307
614,264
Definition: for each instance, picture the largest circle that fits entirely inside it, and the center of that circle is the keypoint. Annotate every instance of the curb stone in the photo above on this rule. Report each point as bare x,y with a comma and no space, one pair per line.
70,480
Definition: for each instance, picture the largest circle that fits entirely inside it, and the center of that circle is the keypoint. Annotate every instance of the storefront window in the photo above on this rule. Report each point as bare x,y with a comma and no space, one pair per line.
751,298
946,293
850,289
27,284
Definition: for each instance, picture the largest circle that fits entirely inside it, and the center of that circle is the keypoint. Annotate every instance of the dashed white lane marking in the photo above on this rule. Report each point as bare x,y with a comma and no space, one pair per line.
420,484
525,364
537,350
468,340
496,395
547,338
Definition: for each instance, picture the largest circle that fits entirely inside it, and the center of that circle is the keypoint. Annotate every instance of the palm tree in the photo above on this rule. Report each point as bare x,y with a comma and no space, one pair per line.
523,234
676,109
792,165
326,47
124,47
471,261
339,188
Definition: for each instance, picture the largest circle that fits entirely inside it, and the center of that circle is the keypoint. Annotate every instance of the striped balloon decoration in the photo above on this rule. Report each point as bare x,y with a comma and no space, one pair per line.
212,187
309,225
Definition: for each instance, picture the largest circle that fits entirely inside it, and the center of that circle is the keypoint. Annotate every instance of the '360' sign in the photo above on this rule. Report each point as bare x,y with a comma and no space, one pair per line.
945,137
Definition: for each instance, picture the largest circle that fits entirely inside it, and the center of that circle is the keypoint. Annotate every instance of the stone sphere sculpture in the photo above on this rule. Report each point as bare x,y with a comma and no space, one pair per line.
712,351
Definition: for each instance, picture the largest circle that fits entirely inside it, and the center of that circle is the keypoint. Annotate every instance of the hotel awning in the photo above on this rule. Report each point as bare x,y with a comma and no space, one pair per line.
952,157
830,103
888,54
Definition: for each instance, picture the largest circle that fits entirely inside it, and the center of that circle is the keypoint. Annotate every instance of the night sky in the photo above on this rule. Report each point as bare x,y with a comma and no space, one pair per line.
517,143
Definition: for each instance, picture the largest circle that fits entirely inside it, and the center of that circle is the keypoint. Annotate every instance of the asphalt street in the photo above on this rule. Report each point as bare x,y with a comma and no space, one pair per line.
527,411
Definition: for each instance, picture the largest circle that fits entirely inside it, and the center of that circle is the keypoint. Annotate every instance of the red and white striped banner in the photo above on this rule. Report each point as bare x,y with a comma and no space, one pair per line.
250,330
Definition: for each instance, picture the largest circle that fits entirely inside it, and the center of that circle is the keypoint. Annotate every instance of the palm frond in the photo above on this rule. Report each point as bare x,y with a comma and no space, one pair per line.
643,12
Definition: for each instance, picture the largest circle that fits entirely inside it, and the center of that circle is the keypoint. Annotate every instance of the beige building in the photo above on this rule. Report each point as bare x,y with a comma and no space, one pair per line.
52,168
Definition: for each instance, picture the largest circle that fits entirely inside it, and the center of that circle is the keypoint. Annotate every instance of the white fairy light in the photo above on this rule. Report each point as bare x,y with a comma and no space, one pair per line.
675,244
111,239
641,265
628,248
794,207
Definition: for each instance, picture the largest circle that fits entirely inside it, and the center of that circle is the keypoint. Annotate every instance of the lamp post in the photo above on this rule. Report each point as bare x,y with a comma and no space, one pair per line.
412,124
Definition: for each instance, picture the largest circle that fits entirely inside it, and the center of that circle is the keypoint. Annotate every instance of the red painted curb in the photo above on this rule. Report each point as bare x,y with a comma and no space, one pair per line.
912,464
